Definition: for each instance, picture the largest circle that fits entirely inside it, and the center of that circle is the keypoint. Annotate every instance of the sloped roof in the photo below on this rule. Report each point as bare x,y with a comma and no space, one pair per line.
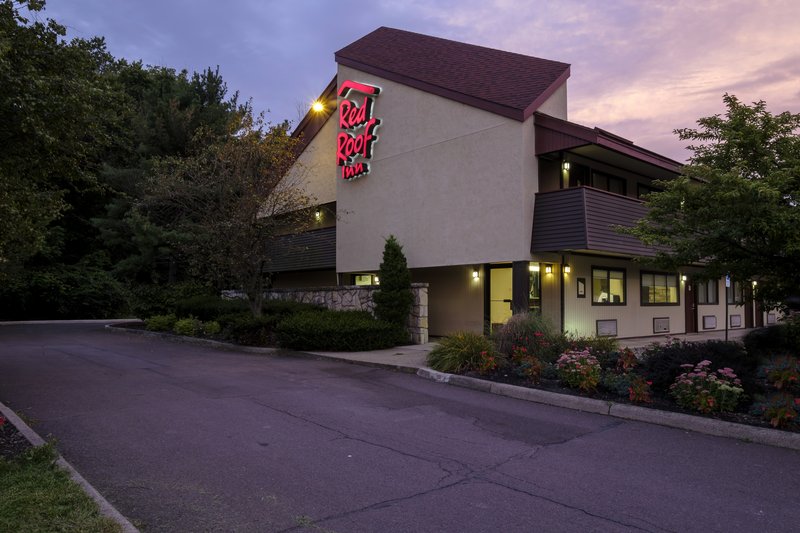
506,83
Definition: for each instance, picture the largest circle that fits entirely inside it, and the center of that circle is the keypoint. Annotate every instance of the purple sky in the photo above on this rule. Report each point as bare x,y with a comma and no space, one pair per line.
640,68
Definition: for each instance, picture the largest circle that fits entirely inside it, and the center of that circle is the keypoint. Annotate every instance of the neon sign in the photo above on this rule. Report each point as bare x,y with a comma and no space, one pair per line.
354,148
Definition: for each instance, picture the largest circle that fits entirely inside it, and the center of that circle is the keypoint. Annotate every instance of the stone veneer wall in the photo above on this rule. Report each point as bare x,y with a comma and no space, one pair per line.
359,298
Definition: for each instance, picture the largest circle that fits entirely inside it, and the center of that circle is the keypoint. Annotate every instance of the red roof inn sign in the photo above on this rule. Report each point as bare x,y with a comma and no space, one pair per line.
354,143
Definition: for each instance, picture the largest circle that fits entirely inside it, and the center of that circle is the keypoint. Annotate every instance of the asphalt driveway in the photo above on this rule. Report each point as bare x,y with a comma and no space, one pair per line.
188,438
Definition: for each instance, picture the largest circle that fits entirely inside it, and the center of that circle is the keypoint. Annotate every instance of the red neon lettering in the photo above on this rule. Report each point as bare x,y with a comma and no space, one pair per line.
354,171
352,117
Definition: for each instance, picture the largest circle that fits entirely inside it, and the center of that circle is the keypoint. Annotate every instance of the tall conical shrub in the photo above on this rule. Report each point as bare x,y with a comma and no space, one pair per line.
394,299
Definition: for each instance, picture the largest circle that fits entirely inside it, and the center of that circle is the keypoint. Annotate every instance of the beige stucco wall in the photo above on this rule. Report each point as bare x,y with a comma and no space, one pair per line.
453,183
556,105
455,300
315,168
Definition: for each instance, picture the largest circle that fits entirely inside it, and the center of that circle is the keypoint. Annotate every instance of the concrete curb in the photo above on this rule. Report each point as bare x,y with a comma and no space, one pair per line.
708,426
81,321
106,509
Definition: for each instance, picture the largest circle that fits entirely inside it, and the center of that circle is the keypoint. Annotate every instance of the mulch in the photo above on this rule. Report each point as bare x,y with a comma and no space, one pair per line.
12,442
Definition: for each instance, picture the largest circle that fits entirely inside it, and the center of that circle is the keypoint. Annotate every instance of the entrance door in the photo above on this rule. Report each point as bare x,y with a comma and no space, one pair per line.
500,293
690,307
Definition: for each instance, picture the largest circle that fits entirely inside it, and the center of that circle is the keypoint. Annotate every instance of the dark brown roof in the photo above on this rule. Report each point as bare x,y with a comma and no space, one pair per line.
509,84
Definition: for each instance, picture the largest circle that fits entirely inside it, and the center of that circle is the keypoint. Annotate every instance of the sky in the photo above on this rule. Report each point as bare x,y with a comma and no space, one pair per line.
639,68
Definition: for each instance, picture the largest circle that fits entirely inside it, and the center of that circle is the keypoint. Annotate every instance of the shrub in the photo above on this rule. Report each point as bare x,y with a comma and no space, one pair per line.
208,307
639,389
780,409
149,299
605,349
774,340
336,331
661,363
579,370
189,327
160,322
283,308
462,351
211,328
781,372
244,328
394,299
62,292
702,390
533,332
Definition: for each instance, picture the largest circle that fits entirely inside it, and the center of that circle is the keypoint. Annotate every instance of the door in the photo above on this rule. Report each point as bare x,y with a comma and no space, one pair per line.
690,307
500,294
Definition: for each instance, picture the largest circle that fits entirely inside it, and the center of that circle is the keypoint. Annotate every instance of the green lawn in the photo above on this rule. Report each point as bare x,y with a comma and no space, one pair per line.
37,496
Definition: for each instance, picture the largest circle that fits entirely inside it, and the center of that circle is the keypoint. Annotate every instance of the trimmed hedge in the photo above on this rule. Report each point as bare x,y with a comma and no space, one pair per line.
209,307
336,331
244,328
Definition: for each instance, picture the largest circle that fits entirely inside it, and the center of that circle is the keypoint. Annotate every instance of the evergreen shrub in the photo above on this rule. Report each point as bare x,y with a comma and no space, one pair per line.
394,299
335,331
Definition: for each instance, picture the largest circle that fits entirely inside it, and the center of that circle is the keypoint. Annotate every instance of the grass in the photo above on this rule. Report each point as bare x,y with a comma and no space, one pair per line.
36,495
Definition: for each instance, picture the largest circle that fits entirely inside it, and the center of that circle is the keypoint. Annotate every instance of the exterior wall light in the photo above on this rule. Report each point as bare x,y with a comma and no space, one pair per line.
317,106
548,269
475,275
566,166
755,283
534,267
683,278
318,214
567,269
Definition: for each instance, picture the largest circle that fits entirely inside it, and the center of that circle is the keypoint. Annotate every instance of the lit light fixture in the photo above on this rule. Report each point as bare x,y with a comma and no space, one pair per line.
377,280
318,214
317,106
567,269
755,283
566,166
534,267
475,275
683,278
548,269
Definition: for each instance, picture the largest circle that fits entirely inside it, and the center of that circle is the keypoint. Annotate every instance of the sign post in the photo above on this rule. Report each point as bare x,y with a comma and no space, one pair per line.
727,286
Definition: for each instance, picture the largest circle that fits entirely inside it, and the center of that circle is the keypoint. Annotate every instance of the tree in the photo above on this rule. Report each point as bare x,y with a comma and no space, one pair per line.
226,200
394,299
735,208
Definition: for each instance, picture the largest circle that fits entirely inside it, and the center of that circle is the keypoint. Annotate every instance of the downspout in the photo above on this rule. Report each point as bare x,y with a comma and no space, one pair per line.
563,294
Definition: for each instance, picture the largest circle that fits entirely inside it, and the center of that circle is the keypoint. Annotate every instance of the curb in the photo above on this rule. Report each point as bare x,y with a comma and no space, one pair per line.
77,321
105,507
708,426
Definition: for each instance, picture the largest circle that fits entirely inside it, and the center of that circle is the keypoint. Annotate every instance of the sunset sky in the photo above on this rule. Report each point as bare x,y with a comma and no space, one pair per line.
640,68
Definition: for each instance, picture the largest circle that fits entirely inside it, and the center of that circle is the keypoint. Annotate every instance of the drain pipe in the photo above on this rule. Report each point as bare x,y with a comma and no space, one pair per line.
562,293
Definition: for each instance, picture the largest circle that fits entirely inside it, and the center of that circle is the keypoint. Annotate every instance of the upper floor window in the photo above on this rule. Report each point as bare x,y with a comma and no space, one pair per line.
657,288
583,175
735,293
708,292
608,286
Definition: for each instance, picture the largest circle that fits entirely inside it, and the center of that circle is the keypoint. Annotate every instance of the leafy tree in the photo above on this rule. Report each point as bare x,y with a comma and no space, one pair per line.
226,200
58,122
735,208
394,299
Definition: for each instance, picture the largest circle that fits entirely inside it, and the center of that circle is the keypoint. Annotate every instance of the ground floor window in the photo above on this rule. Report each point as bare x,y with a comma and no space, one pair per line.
365,279
735,293
659,289
608,286
708,292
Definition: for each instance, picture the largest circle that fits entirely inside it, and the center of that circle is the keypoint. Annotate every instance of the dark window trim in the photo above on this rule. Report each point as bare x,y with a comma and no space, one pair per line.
624,285
716,295
659,304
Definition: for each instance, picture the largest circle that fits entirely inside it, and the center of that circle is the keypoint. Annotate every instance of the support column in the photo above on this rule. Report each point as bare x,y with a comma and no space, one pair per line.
520,287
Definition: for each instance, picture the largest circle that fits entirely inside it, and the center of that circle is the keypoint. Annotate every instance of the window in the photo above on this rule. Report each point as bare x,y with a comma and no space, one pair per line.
608,286
365,279
708,292
609,183
735,293
535,294
659,289
644,190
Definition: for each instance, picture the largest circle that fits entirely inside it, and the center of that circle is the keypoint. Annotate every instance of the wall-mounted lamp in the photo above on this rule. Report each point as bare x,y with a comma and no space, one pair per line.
534,267
683,278
317,106
318,214
567,269
548,269
565,166
475,275
755,283
377,280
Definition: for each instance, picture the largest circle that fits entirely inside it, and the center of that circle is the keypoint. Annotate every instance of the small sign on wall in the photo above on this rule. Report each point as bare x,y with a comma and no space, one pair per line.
606,328
709,322
736,321
771,318
581,282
